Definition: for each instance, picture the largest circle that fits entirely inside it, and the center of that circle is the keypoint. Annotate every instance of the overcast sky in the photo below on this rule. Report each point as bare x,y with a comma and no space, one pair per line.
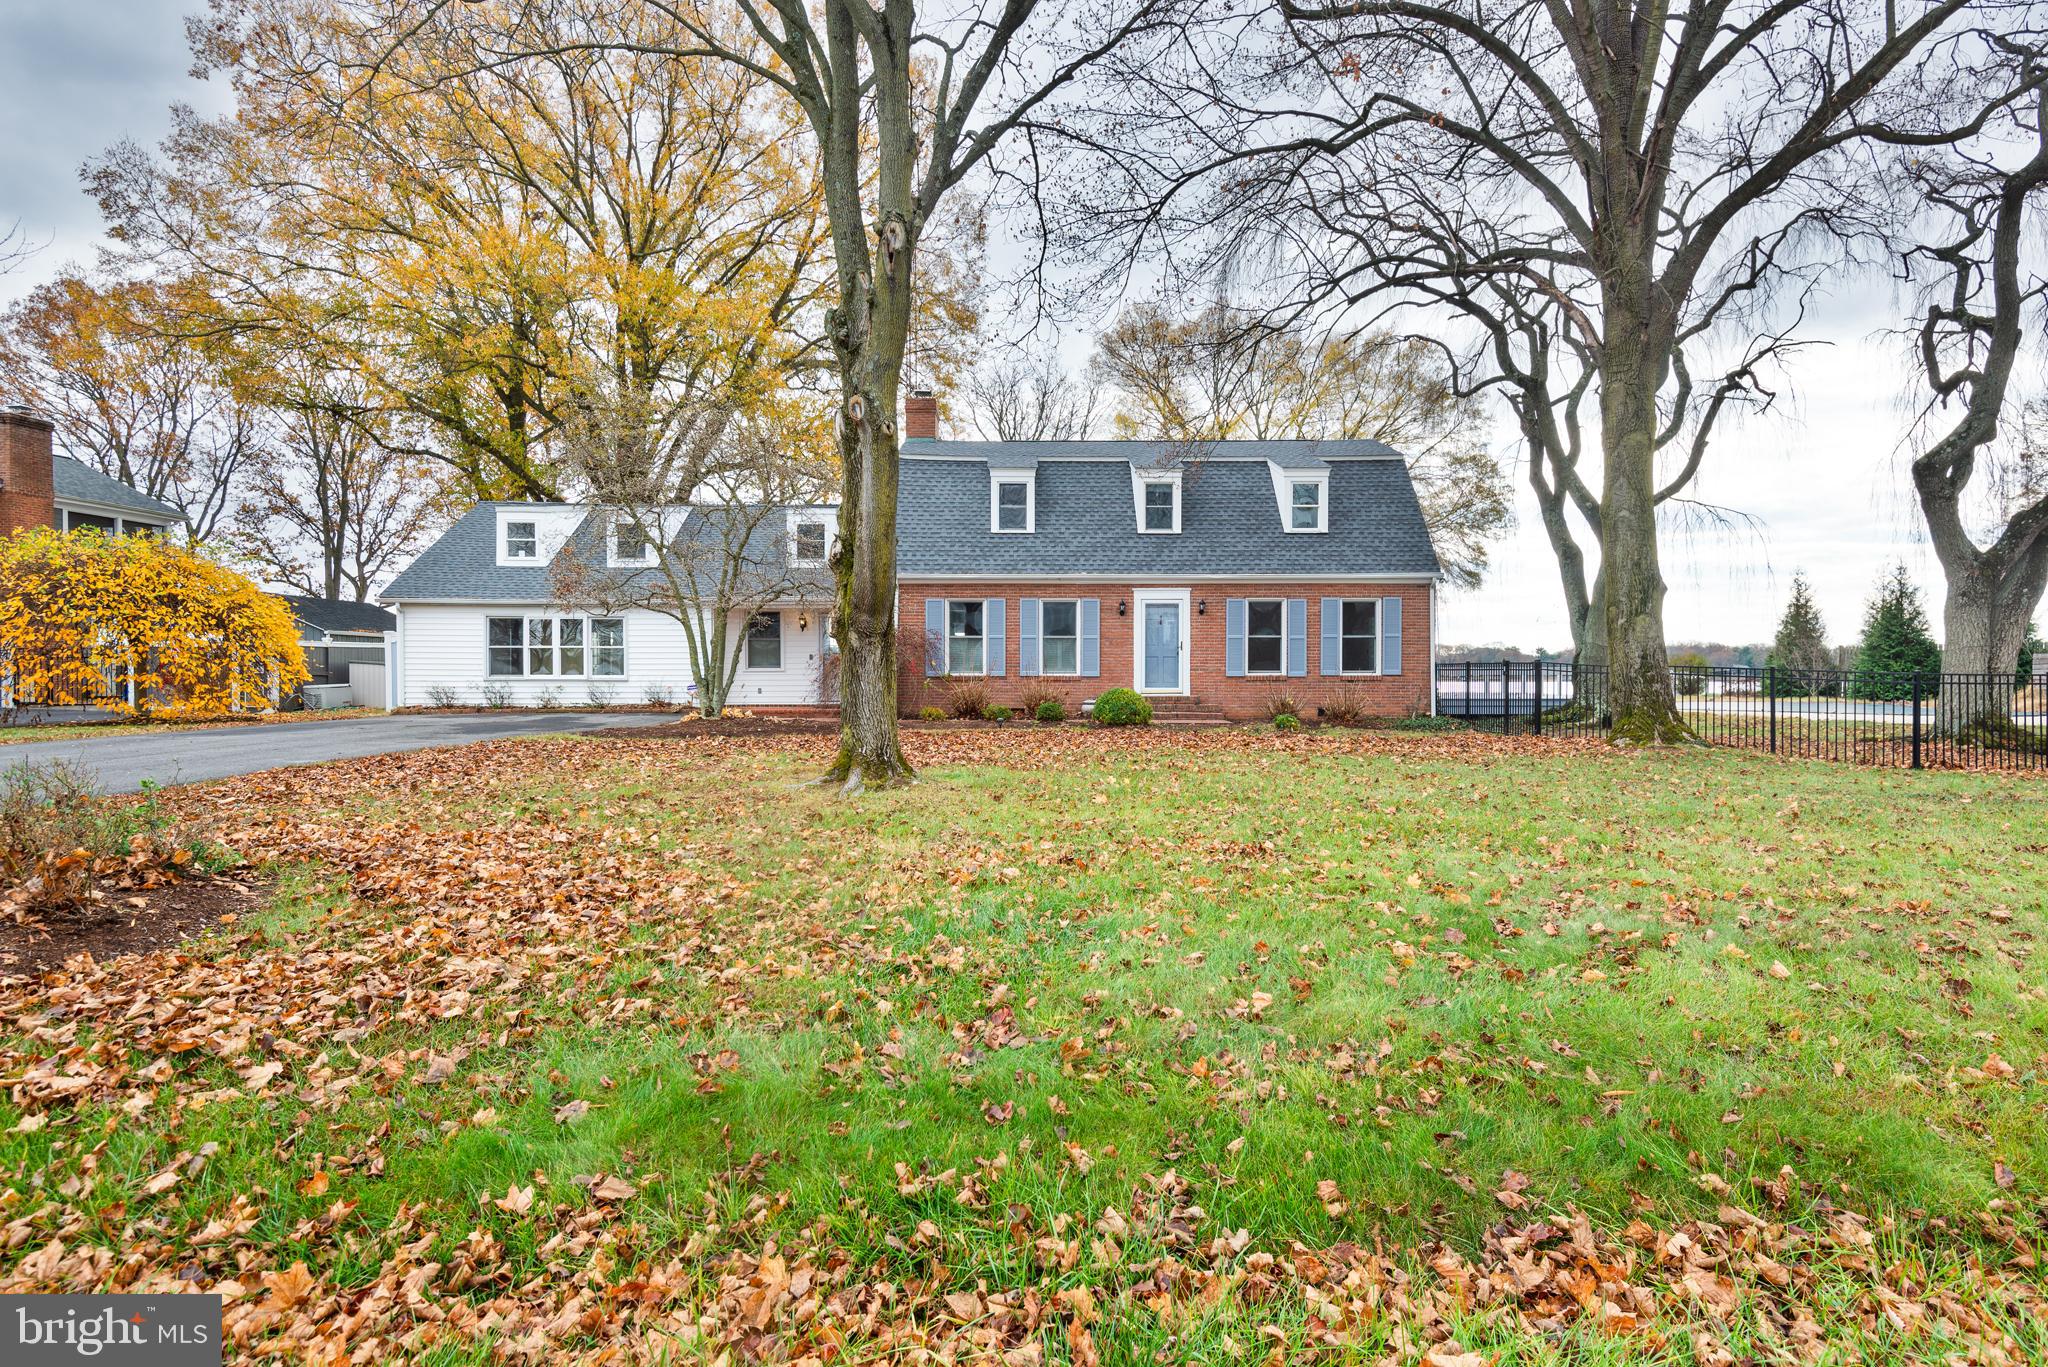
1824,477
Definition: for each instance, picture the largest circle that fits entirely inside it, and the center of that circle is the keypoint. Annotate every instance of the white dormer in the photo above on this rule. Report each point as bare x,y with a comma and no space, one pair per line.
1303,495
1155,499
531,533
1013,499
811,533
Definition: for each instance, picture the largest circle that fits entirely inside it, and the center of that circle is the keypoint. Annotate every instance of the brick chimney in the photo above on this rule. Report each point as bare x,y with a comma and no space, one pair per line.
27,496
920,416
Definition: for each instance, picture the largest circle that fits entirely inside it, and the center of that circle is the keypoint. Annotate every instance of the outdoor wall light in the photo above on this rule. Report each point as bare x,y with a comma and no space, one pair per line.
1201,607
803,620
1121,607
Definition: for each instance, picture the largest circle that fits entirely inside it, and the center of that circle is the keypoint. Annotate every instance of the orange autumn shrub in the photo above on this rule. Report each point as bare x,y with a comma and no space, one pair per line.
81,614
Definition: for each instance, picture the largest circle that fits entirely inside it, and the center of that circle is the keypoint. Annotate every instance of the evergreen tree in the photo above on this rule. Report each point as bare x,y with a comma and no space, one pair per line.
1896,641
1800,652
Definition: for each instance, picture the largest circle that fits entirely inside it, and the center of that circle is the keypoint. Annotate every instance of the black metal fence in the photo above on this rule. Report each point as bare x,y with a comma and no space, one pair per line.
1919,721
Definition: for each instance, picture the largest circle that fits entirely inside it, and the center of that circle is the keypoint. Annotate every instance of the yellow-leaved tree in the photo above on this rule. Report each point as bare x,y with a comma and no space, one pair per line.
137,625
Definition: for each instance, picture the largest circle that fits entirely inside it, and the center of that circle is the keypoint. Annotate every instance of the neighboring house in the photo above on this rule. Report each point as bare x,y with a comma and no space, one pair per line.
336,633
1220,574
39,488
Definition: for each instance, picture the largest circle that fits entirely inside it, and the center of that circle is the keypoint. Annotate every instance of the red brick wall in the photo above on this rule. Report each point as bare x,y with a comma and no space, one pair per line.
1385,695
27,498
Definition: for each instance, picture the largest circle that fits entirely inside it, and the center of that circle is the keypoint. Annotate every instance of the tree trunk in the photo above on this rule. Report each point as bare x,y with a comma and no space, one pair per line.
1983,624
1639,693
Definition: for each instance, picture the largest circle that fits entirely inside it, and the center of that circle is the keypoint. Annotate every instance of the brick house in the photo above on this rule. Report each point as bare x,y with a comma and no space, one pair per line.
1211,577
39,488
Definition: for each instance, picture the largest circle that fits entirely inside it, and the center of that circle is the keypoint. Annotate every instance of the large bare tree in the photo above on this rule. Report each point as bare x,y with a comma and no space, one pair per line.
902,107
1983,285
1653,161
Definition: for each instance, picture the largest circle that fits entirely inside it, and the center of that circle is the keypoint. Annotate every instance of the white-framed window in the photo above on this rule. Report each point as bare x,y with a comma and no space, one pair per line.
630,543
1305,505
1358,636
1059,636
764,640
1162,505
555,647
1265,636
522,541
966,641
808,542
1012,501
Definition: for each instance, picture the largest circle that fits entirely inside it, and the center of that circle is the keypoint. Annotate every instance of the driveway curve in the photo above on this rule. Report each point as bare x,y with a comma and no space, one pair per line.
122,764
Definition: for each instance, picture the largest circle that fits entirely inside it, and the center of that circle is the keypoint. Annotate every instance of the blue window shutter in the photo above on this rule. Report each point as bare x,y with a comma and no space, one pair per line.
1390,636
1297,636
1233,638
934,637
1027,637
992,619
1333,635
1091,637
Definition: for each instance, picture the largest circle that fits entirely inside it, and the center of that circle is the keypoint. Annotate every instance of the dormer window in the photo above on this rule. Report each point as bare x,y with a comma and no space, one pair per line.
522,541
810,543
1162,506
1306,506
630,544
1013,500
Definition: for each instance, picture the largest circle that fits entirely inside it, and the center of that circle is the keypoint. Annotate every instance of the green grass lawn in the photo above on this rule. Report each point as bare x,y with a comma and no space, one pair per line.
647,1044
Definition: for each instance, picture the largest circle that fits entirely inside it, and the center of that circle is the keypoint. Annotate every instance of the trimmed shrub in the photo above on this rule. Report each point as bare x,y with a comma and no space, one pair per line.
995,712
1280,705
1287,721
1123,707
1051,710
932,714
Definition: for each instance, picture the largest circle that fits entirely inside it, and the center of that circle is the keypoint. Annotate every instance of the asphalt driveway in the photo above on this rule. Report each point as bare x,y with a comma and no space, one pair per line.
121,764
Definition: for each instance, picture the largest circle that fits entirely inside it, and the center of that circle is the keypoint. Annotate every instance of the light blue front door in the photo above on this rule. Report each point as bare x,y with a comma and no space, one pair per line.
1162,645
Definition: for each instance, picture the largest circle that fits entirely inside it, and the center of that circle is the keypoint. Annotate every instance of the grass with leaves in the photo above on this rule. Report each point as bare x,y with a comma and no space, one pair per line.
549,1014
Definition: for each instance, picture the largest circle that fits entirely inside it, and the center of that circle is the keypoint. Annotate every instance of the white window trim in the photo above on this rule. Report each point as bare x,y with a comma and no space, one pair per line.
1140,477
781,643
1140,597
997,478
589,648
1284,481
618,562
1249,672
1379,640
796,520
1043,672
947,634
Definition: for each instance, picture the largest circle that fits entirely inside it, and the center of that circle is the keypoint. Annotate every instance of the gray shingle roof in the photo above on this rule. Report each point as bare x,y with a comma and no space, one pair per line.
336,614
74,482
1086,522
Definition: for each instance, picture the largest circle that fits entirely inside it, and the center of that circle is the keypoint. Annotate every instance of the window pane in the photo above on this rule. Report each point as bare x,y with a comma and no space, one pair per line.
1010,501
519,539
1358,653
963,655
1058,619
1159,507
1263,616
505,631
572,659
764,641
572,631
810,541
632,543
1059,656
505,660
964,619
540,645
1262,654
1361,617
608,631
609,661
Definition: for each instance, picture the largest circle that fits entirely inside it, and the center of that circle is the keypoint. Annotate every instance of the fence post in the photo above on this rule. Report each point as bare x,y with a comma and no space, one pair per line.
1468,692
1507,698
1771,693
1916,719
1536,716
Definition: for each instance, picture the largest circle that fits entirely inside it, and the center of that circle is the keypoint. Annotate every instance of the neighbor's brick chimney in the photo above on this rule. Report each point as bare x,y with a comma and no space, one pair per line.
920,416
27,498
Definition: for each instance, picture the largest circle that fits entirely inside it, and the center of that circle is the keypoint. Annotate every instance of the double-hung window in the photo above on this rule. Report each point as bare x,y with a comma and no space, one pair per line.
1059,642
1013,505
630,544
1160,512
1265,636
764,641
966,646
1359,636
810,543
522,541
555,647
1307,505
